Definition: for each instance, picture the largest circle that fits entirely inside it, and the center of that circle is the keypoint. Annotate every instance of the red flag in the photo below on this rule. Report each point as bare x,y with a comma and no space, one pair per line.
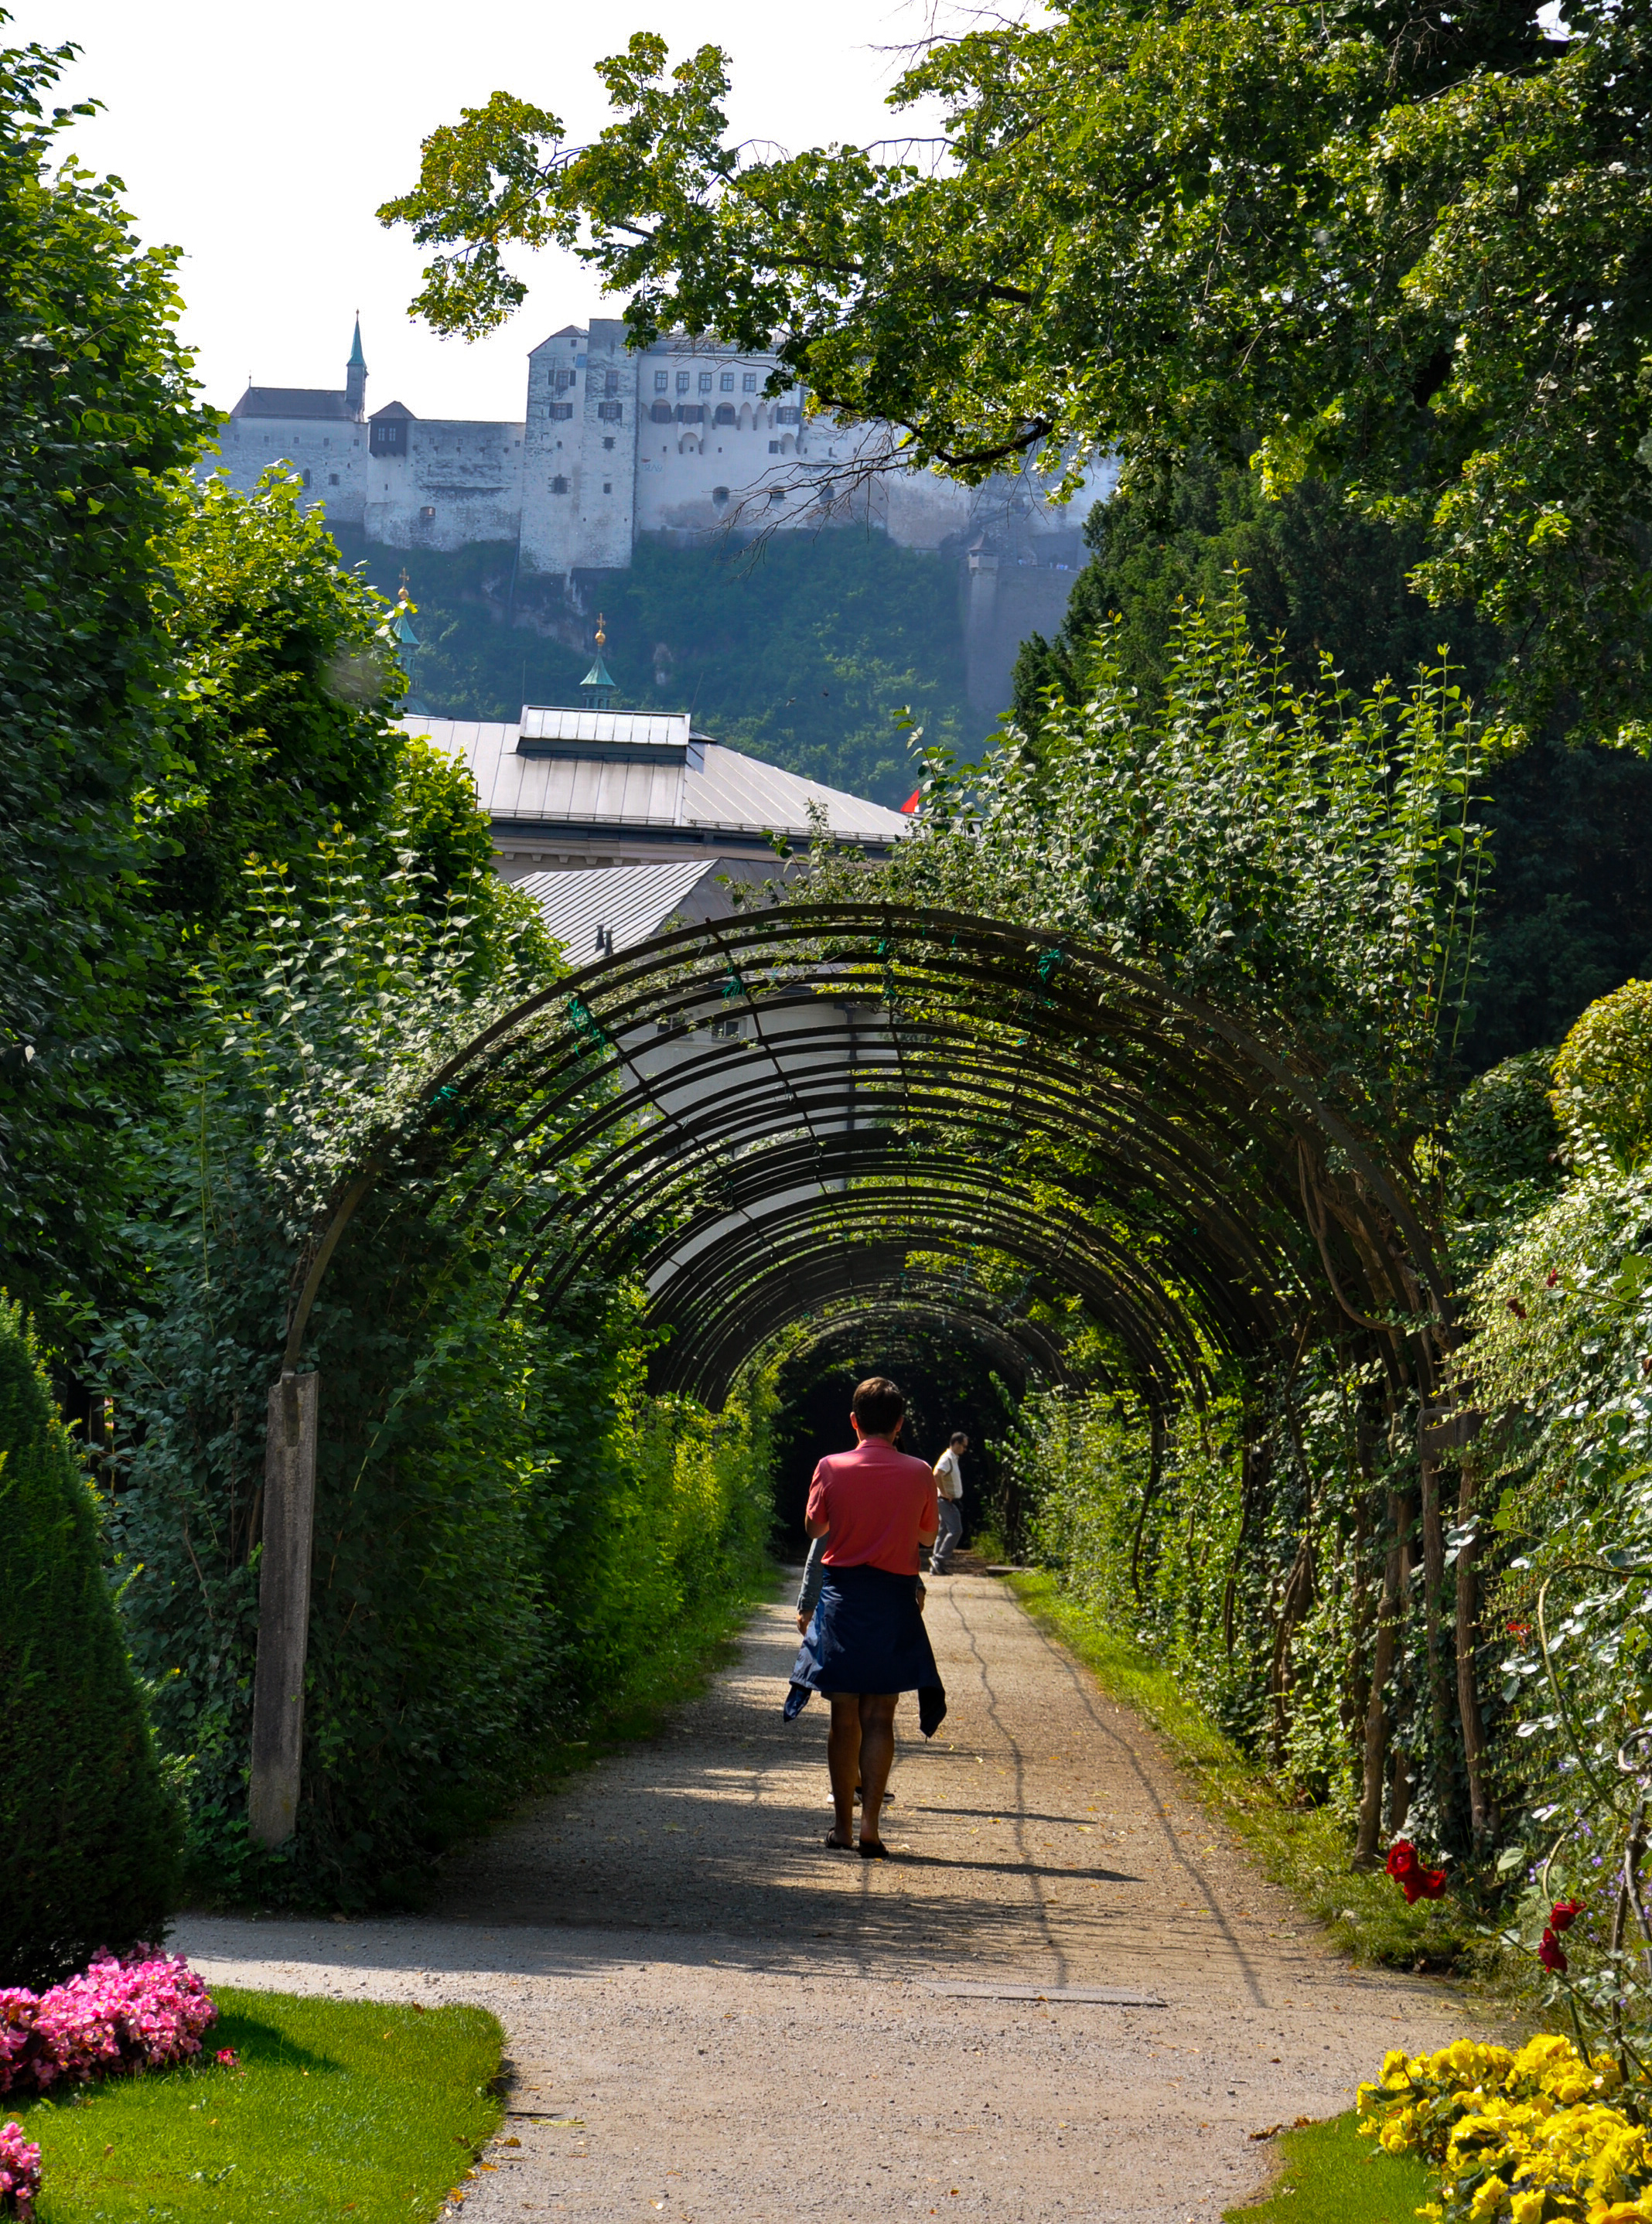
913,800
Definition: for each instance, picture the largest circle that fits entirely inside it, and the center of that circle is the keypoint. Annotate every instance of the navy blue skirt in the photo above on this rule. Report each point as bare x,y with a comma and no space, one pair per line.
868,1636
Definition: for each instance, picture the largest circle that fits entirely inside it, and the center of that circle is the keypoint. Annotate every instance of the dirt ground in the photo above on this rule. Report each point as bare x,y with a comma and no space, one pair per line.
712,2018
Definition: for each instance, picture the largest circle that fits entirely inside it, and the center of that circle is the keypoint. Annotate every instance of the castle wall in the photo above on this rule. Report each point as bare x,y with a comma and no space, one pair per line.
331,455
460,482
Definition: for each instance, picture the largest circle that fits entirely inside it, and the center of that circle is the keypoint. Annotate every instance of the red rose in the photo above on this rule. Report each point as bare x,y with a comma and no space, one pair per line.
1408,1872
1564,1914
1402,1859
1551,1955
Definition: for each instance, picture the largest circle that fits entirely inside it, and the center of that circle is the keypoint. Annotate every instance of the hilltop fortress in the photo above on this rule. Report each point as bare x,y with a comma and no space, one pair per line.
678,441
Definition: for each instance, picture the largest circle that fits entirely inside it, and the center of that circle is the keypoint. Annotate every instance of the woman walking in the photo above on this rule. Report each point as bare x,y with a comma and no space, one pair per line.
866,1644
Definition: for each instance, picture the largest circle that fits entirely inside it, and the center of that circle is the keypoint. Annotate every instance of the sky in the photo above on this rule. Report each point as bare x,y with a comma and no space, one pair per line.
261,141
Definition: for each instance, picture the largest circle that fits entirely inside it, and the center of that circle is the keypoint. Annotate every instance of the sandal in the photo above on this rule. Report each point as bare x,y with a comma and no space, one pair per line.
837,1845
877,1851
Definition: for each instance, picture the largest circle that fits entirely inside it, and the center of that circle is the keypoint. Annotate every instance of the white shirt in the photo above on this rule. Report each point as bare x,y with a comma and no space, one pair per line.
949,1474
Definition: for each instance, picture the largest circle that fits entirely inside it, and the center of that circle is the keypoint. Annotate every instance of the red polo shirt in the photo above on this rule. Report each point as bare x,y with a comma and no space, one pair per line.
879,1504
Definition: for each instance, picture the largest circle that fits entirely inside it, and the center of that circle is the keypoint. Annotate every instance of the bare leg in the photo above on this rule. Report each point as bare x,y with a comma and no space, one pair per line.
843,1759
877,1728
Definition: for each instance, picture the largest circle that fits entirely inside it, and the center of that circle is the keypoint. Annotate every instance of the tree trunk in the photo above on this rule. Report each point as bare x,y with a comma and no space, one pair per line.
1468,1697
1433,1586
1376,1723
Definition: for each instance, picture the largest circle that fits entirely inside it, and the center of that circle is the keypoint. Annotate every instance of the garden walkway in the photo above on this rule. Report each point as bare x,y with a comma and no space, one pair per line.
713,2018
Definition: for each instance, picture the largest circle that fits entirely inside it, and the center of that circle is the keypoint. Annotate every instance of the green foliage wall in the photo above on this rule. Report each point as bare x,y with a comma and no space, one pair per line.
804,652
1245,1551
90,1829
512,1539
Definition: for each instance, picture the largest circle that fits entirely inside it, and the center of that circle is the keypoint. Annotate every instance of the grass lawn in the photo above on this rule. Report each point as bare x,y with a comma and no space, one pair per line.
1303,1848
1329,2175
342,2108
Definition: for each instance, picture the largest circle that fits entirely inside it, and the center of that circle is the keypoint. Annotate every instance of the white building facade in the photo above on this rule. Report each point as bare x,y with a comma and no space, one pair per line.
678,440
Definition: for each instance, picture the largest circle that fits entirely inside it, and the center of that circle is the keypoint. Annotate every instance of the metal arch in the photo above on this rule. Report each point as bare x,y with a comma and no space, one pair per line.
928,1085
1156,1093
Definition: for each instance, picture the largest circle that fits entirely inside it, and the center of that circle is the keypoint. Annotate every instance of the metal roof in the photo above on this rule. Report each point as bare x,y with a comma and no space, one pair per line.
627,903
543,722
707,790
294,402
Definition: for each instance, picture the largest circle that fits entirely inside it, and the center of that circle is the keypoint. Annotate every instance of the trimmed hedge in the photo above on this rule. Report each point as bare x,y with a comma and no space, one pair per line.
90,1831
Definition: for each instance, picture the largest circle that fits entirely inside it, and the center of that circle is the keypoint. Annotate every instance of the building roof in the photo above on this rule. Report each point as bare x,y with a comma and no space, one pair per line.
633,729
391,410
627,903
357,358
693,792
294,402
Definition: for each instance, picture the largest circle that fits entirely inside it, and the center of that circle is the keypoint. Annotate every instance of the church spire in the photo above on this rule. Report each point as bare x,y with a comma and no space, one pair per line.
355,376
597,685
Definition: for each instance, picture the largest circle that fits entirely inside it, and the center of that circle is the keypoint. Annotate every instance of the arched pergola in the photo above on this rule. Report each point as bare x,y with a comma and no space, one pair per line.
813,1111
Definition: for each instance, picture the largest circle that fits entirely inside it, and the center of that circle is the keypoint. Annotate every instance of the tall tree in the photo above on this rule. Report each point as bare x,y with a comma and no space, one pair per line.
1404,248
1565,912
95,412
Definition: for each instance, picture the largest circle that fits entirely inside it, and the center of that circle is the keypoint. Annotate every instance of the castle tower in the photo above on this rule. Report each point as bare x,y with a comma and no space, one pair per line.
356,376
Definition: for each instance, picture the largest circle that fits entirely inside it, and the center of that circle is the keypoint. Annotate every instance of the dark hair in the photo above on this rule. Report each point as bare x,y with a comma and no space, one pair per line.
878,1406
960,1436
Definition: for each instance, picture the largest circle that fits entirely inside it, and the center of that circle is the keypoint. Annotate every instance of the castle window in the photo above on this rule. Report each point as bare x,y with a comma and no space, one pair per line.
705,381
749,382
306,478
726,412
608,486
611,412
609,441
611,381
785,416
773,447
719,495
334,479
559,410
682,381
661,413
689,413
726,382
563,380
662,381
428,516
559,485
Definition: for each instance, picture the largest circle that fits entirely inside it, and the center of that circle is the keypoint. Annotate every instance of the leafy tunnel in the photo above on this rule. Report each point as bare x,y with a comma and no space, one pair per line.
811,1119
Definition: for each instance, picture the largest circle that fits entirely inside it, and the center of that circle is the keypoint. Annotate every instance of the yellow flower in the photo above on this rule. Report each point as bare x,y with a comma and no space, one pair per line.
1527,2208
1488,2200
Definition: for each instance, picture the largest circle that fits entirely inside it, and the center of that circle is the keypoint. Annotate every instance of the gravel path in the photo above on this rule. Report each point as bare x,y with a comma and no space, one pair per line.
713,2018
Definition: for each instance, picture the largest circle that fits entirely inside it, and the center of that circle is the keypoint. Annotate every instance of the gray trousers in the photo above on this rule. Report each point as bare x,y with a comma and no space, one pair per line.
951,1529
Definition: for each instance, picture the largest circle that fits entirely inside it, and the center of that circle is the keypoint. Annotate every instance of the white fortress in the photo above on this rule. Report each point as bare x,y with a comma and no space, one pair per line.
678,440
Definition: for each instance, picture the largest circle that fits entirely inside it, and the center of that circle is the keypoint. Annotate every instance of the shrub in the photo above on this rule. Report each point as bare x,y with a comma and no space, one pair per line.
91,1830
1603,1075
1522,2138
146,2011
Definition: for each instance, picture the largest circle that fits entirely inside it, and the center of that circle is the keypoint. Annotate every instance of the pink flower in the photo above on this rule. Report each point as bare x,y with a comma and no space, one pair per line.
226,2055
139,2013
19,2172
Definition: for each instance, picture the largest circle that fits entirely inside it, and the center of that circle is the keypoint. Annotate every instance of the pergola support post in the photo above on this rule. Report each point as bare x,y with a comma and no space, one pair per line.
283,1609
